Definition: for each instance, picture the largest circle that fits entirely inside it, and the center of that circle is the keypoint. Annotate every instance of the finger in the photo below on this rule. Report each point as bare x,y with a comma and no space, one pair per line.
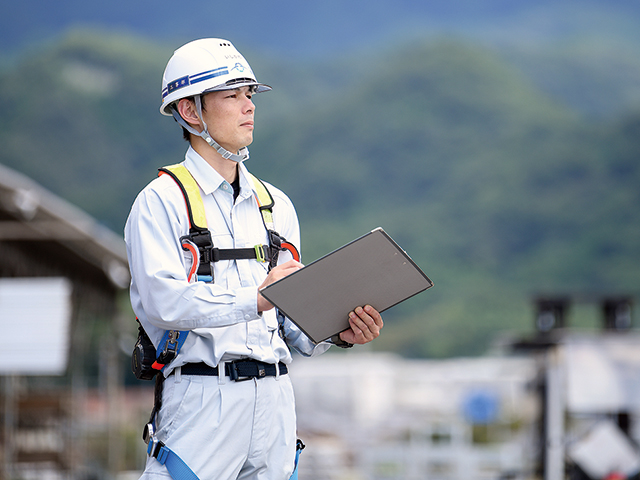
370,322
292,264
285,269
363,326
373,313
370,317
291,267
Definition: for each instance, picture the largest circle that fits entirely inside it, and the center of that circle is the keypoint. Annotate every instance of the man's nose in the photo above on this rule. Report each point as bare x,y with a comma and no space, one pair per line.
249,105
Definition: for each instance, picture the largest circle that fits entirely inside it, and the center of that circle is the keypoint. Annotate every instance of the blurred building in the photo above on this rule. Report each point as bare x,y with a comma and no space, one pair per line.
559,405
61,274
378,416
588,383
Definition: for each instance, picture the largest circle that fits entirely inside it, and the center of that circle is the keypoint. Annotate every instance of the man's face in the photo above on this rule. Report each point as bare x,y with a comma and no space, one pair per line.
229,116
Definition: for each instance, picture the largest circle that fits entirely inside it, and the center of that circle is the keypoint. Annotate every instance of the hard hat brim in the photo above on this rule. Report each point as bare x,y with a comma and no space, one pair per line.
260,87
165,108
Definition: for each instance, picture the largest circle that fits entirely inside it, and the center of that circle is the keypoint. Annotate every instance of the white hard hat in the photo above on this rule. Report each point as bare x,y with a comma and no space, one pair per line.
205,65
202,66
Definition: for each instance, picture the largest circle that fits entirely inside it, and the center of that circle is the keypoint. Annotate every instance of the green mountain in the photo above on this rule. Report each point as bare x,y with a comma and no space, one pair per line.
496,187
79,118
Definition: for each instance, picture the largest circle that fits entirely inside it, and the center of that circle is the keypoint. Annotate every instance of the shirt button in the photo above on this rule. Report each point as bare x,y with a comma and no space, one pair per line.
247,317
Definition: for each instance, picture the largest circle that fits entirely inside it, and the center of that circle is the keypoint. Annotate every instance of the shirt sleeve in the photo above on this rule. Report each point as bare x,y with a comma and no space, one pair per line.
299,341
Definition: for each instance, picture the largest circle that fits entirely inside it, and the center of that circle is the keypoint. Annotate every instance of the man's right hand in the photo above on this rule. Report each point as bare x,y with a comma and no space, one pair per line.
276,273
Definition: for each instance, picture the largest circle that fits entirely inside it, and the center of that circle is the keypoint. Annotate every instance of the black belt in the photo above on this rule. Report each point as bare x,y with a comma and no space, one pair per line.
238,370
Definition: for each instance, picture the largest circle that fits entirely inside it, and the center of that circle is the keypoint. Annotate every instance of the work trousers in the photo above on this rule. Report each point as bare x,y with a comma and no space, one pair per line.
226,430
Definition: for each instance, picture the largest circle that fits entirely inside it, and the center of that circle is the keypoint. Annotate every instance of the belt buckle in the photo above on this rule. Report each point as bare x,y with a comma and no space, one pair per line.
153,443
261,255
148,433
235,375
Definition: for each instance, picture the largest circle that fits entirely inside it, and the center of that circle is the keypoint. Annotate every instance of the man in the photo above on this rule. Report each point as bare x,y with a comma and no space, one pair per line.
221,428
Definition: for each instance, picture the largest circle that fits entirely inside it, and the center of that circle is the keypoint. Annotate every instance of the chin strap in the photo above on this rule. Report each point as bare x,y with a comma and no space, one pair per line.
241,156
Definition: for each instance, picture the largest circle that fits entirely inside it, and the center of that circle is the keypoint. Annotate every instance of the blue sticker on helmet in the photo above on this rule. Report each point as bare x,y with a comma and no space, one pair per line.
190,80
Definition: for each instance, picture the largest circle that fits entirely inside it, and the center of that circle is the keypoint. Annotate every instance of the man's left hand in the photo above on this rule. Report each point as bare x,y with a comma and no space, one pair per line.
366,324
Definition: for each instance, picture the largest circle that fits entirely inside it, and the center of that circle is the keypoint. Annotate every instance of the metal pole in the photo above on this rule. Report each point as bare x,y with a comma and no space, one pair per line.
9,425
555,406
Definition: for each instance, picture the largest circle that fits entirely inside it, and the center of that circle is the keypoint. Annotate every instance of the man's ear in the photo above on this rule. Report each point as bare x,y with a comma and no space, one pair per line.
187,110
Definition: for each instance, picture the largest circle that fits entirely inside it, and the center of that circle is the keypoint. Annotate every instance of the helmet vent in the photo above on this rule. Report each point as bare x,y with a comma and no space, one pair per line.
237,81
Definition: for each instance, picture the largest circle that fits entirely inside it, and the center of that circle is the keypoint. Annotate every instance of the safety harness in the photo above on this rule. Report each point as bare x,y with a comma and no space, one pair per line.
199,243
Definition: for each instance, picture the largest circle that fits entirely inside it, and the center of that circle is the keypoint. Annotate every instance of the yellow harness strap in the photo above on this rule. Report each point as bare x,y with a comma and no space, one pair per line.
191,192
265,201
195,206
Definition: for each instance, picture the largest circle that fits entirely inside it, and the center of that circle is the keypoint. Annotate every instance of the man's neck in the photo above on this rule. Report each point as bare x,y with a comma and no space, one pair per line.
227,168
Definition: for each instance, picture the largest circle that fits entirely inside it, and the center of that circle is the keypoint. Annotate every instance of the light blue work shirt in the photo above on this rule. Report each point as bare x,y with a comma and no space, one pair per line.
222,317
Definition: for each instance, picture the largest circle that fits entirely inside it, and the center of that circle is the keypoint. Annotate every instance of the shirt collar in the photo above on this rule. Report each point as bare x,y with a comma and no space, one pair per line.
209,179
246,185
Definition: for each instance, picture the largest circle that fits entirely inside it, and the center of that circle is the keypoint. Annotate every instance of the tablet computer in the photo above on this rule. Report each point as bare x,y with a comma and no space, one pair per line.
372,270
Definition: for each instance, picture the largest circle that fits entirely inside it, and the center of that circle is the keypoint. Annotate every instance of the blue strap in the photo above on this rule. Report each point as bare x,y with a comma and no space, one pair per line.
294,475
181,471
174,464
182,336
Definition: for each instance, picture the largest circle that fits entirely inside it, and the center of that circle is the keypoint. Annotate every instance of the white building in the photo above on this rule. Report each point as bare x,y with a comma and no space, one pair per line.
378,416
